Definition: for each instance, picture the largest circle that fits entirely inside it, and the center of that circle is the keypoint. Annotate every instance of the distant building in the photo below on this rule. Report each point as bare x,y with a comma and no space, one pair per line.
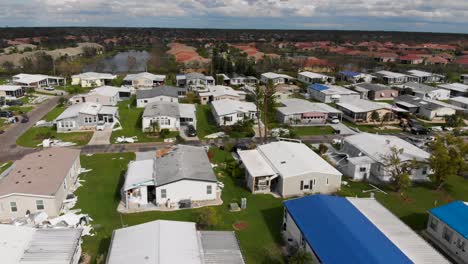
288,168
447,228
424,77
464,78
456,89
331,93
410,59
194,81
92,79
275,78
361,110
355,77
39,182
425,91
302,112
336,230
220,92
37,80
376,147
23,244
161,242
144,80
375,91
312,77
228,112
11,92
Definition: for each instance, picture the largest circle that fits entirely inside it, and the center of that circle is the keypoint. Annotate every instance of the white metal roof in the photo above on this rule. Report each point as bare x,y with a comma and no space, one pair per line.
459,87
292,158
140,172
390,74
273,75
145,75
377,146
362,105
85,108
460,99
106,90
108,110
156,242
94,76
32,78
298,106
255,163
313,75
187,110
228,106
337,90
10,88
411,244
21,245
419,73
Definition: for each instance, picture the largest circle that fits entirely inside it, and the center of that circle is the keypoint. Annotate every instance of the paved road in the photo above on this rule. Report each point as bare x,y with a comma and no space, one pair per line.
8,148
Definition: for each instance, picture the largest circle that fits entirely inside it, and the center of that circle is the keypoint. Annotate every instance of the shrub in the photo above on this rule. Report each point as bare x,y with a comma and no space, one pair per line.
207,218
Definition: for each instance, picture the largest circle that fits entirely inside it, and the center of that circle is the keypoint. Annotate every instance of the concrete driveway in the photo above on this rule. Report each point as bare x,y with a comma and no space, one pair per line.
344,129
101,137
182,133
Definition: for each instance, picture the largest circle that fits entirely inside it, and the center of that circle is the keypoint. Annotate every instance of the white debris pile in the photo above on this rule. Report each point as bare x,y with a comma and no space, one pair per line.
83,170
216,135
279,132
126,139
48,143
69,203
169,140
43,123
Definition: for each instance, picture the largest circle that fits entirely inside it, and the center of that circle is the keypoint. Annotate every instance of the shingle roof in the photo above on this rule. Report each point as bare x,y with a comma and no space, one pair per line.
184,162
39,173
157,91
162,108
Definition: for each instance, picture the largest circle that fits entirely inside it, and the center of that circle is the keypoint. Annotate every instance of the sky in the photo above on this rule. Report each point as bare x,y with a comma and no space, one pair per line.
396,15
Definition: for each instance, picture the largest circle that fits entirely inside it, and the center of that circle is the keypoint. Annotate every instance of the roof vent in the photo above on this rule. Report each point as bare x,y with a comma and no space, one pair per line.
387,141
40,168
17,182
29,168
283,162
24,175
29,181
50,155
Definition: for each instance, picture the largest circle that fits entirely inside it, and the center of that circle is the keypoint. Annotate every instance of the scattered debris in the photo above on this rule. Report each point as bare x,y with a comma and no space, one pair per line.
126,139
216,135
83,170
169,140
375,188
43,123
279,132
47,143
89,155
345,183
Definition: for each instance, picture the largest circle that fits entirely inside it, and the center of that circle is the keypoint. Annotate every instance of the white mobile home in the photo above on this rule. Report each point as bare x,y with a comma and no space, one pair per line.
228,112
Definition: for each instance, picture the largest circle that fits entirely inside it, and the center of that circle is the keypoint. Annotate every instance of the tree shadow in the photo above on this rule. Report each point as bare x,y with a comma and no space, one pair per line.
416,221
273,218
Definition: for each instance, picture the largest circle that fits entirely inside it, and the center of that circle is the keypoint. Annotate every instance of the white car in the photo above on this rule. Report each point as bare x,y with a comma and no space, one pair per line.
100,126
436,128
49,88
335,121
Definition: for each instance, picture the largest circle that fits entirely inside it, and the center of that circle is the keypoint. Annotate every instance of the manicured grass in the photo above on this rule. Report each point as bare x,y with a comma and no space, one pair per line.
312,130
130,119
35,135
206,124
17,110
372,128
413,206
100,194
54,113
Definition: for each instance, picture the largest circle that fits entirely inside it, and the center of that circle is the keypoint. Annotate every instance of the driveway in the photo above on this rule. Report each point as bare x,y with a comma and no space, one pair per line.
53,92
183,134
9,150
344,129
101,137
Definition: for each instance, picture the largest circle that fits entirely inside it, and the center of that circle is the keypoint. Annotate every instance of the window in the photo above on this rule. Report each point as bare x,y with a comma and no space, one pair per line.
447,235
424,171
163,193
434,224
302,186
13,207
209,189
327,181
145,101
40,204
311,184
240,114
362,169
461,243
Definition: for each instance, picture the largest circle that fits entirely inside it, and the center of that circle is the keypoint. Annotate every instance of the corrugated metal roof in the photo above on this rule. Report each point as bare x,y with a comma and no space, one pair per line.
339,233
455,215
220,247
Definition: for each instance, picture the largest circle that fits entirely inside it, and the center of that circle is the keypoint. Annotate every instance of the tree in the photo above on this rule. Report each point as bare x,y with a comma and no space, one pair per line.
207,217
268,104
455,120
155,128
375,116
61,101
300,256
386,118
323,149
399,170
441,163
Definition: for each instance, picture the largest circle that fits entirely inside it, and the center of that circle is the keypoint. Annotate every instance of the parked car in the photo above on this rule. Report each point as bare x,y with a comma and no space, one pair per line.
100,126
417,128
436,128
191,132
6,114
335,121
14,102
24,119
49,88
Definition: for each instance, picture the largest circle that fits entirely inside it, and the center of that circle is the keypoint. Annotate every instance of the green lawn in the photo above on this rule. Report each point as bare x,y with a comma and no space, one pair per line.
413,207
3,123
4,166
312,130
100,195
17,110
130,119
35,135
372,128
206,124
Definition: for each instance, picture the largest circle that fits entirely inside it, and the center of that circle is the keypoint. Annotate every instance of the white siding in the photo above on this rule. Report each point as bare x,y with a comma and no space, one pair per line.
162,98
186,189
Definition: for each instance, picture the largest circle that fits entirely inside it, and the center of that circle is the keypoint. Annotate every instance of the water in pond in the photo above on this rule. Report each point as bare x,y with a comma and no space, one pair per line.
128,61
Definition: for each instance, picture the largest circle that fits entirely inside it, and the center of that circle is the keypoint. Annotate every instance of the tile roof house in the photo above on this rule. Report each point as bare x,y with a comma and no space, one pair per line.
38,182
167,242
446,227
338,230
288,168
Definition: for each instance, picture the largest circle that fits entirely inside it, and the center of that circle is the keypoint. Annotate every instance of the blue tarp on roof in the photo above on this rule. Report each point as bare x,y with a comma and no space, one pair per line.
349,73
339,233
318,87
455,215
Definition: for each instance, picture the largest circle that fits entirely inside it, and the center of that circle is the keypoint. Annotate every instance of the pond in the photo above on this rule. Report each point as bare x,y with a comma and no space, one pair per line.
128,61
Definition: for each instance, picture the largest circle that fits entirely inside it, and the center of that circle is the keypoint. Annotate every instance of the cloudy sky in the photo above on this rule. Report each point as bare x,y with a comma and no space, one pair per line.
401,15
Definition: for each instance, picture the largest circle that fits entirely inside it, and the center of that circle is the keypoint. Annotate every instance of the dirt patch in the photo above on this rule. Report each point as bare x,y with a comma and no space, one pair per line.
185,54
240,225
85,258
